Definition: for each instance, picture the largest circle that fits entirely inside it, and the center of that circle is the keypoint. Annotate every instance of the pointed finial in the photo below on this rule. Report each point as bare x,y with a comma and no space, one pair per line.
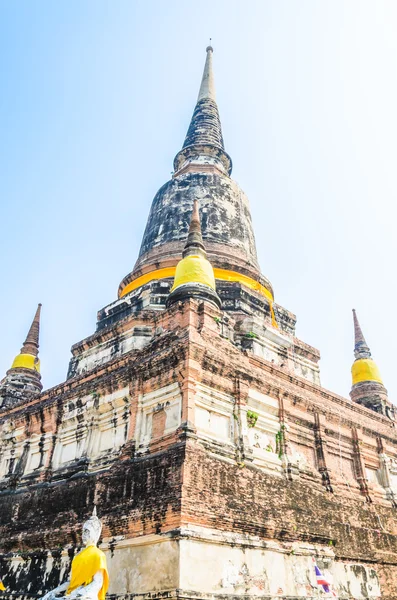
361,348
94,511
367,385
194,275
194,243
207,87
28,357
31,344
209,48
204,137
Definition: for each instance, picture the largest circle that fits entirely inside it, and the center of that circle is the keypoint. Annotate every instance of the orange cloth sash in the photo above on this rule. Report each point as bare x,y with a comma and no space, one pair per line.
84,566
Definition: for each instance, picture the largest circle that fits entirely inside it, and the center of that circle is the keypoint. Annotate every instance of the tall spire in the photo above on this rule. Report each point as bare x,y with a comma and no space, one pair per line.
367,385
23,379
207,87
31,344
28,357
204,137
364,367
201,170
361,348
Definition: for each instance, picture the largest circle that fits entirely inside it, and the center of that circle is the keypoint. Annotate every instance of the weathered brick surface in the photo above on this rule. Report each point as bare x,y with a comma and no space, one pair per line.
181,479
136,497
245,499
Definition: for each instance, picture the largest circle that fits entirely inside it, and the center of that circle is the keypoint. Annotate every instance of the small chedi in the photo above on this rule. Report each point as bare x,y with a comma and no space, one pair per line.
195,418
89,578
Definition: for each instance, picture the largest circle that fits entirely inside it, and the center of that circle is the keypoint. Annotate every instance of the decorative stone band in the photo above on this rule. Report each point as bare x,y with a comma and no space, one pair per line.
26,361
221,274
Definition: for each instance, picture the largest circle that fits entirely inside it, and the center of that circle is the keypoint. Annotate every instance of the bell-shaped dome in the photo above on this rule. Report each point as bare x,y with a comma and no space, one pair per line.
226,222
202,172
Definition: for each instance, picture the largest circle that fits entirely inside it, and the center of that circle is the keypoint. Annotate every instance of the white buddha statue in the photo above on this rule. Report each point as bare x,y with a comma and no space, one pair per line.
89,579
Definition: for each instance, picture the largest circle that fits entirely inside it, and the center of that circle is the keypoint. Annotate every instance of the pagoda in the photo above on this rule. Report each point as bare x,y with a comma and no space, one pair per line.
194,419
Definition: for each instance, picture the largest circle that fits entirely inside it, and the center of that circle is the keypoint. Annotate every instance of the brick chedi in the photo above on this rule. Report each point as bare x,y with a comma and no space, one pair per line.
202,172
367,385
194,419
23,380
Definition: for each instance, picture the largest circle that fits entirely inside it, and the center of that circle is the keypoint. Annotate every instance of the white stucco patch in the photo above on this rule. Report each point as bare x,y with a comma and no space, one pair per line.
262,436
167,398
214,414
142,568
92,426
355,581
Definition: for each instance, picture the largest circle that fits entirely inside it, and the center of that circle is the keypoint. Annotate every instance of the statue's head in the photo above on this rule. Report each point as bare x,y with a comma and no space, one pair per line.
92,530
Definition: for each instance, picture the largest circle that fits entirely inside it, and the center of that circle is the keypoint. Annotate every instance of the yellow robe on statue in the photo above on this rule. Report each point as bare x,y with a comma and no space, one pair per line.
84,566
2,588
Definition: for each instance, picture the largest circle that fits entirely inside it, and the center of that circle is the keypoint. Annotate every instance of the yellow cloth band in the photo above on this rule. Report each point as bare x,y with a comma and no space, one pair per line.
365,369
225,275
85,565
164,273
26,361
194,269
221,274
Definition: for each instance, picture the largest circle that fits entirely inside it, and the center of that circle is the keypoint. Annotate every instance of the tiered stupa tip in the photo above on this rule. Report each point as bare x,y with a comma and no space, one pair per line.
194,275
28,356
364,367
202,170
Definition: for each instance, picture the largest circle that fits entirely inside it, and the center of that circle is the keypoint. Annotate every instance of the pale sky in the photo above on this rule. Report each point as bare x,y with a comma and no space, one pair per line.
96,100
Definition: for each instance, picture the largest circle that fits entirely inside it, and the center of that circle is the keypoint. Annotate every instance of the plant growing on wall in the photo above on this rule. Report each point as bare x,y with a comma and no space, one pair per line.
280,441
252,418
